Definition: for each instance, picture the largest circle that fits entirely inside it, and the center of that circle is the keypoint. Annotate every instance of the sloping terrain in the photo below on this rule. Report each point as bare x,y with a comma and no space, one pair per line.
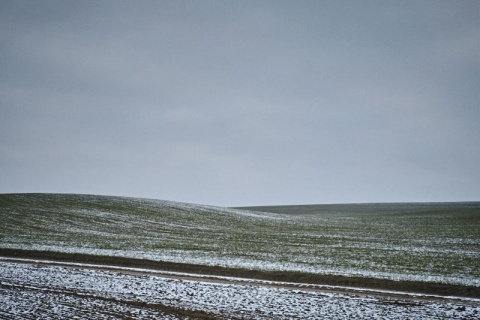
437,242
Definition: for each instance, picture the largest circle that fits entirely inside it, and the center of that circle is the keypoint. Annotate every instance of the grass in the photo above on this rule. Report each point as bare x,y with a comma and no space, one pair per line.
433,242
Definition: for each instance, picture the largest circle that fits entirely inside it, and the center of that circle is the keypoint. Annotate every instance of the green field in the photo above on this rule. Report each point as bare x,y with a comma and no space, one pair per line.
430,242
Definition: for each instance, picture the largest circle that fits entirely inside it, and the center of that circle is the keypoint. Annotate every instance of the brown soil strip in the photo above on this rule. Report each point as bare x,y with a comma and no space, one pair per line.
286,276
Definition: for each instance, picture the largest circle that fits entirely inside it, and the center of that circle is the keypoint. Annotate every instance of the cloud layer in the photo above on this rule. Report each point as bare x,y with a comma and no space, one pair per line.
242,103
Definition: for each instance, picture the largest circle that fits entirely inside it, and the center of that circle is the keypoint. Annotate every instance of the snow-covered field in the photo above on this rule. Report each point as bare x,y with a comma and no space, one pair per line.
420,242
33,291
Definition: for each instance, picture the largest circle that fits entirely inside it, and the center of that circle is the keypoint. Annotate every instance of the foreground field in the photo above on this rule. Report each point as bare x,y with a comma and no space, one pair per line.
28,290
433,243
96,257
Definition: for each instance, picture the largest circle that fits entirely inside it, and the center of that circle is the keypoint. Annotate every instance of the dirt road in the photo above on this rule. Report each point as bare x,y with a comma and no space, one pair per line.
59,290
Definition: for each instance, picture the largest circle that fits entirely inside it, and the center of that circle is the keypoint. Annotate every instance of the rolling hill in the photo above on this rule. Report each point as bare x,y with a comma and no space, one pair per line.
425,242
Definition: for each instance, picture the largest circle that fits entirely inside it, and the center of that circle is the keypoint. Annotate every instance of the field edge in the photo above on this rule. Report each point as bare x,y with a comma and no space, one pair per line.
442,289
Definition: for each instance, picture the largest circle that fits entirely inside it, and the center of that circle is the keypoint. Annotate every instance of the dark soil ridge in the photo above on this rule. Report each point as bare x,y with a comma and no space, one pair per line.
441,289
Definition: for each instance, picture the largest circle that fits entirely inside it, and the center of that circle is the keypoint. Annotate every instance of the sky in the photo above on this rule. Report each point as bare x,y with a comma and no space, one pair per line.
238,103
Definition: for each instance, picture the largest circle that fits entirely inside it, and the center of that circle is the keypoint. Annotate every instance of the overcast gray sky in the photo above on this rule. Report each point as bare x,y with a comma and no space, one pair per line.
242,102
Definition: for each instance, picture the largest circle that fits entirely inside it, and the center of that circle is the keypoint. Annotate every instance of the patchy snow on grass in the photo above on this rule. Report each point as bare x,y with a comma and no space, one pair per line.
28,291
417,242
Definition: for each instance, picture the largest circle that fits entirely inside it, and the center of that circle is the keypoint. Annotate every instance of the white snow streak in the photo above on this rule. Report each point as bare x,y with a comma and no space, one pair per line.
29,291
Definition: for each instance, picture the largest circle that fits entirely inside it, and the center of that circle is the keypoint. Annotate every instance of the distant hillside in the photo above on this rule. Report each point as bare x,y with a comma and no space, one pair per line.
405,208
426,242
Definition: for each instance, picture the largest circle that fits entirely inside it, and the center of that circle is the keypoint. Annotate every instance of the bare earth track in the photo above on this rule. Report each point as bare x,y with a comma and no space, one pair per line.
293,277
62,286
